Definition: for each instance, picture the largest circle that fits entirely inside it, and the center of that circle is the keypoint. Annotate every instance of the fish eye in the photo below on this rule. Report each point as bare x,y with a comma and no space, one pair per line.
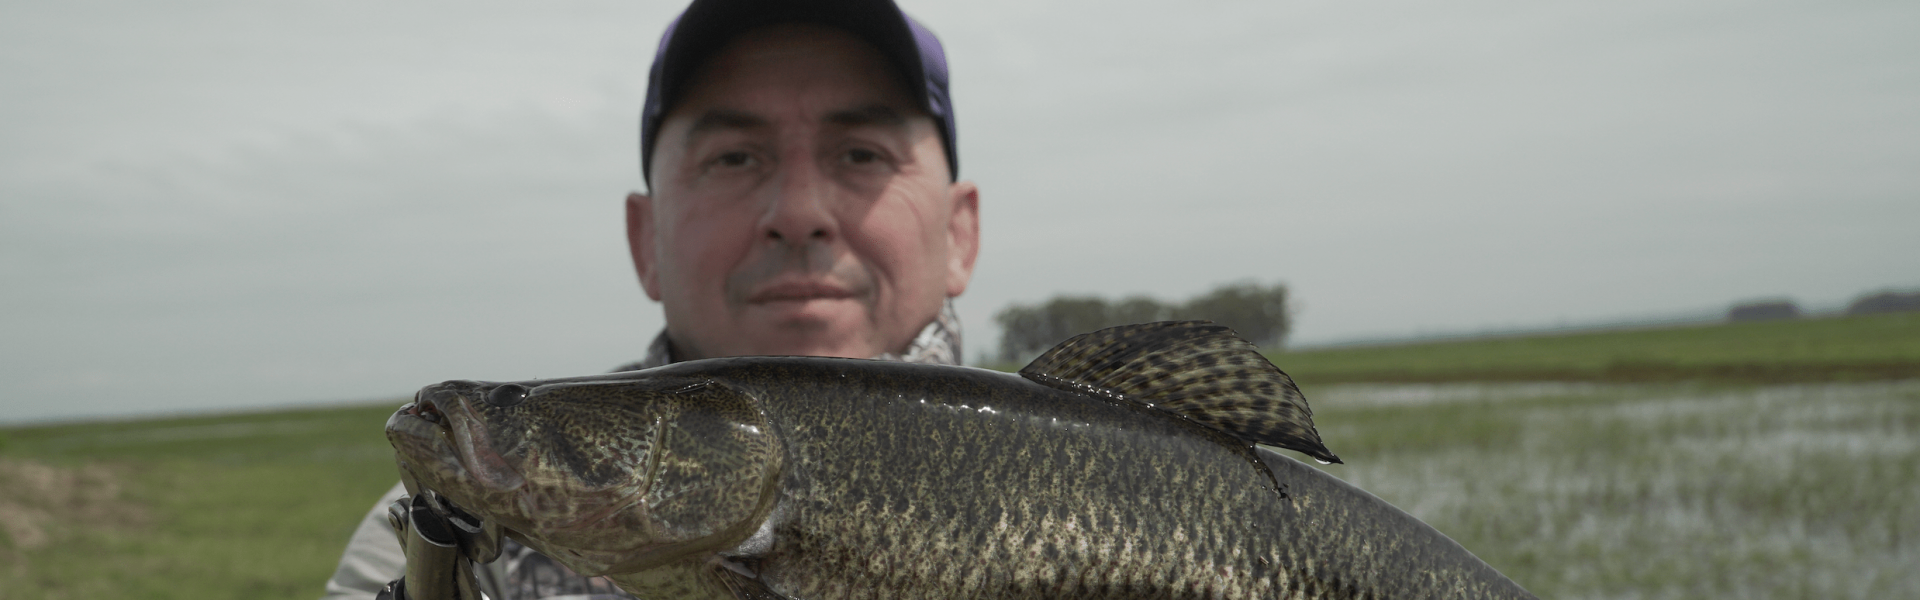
507,395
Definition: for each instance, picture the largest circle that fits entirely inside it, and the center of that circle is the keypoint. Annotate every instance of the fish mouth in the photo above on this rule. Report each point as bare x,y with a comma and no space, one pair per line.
424,408
419,430
444,447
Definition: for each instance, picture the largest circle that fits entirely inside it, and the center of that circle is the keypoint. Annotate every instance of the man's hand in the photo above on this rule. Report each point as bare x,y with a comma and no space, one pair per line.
442,544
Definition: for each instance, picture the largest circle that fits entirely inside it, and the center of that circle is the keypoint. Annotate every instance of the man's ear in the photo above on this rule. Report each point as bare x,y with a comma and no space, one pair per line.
640,242
963,236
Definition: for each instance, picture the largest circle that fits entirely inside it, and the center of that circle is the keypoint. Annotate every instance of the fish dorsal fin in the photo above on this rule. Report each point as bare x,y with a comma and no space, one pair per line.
1194,369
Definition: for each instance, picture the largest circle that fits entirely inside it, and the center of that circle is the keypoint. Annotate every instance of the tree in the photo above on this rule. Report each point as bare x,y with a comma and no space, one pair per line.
1765,310
1256,312
1885,301
1028,330
1137,309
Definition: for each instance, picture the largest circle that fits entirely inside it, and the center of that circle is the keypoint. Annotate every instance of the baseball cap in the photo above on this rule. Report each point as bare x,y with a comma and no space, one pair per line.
708,25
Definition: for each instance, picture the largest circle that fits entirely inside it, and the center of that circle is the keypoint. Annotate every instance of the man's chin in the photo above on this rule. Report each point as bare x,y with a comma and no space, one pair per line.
819,327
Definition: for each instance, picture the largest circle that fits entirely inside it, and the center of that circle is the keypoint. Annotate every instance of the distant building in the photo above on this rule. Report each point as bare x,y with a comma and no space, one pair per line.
1763,311
1885,302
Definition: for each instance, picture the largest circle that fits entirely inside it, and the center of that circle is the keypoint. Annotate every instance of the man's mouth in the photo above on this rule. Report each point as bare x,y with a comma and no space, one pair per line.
799,291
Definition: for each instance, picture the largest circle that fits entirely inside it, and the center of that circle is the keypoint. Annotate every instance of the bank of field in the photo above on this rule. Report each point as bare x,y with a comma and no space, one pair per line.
1863,348
1709,487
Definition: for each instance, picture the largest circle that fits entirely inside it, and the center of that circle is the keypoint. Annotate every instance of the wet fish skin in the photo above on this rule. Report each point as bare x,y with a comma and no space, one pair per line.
863,479
604,475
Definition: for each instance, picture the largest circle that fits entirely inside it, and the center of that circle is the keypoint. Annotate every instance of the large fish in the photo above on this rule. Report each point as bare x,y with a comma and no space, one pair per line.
1120,464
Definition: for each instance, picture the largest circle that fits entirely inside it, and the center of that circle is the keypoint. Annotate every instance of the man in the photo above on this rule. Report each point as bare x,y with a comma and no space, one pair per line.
803,201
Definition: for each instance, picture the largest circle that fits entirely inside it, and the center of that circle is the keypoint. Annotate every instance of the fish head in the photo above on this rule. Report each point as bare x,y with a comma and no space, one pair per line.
607,475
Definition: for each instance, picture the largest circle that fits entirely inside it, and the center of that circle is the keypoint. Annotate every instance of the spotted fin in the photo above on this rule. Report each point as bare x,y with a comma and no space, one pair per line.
1194,369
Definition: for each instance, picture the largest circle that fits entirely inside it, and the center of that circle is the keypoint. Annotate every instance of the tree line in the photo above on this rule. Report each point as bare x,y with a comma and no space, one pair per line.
1883,301
1257,312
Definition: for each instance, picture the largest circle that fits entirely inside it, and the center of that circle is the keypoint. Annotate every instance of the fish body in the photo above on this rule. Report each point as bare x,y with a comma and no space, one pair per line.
1114,472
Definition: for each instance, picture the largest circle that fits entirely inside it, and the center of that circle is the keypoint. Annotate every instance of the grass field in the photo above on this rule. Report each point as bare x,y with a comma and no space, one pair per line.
1582,489
240,506
1864,348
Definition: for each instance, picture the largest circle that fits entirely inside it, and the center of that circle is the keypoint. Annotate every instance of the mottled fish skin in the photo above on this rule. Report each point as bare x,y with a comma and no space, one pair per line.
852,479
604,475
912,481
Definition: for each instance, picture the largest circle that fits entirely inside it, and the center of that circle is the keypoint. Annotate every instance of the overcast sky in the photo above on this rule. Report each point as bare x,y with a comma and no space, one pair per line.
222,204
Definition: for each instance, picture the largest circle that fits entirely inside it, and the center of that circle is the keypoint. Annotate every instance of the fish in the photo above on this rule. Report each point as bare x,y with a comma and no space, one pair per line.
1132,462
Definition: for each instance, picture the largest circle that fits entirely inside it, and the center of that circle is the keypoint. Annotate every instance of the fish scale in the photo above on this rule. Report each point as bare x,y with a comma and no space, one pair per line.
1027,491
836,479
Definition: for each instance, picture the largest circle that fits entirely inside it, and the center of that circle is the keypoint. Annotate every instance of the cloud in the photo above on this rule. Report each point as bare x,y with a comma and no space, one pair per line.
223,204
346,266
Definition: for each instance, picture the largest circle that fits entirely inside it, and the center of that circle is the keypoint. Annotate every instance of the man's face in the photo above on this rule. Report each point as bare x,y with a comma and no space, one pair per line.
801,204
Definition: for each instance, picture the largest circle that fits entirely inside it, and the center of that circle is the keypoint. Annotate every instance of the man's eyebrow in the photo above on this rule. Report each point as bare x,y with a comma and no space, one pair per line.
871,114
721,118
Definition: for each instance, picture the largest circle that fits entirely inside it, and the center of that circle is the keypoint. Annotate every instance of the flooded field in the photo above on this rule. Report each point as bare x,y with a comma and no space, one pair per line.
1652,491
1575,490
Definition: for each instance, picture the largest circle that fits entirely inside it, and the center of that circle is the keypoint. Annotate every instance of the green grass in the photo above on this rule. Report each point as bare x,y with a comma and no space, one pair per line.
1603,485
1866,348
238,506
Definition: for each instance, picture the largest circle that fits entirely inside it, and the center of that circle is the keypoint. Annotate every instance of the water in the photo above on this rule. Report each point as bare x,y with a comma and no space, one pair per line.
1652,491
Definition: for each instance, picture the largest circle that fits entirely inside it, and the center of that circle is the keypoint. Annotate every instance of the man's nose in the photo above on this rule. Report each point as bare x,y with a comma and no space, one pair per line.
800,210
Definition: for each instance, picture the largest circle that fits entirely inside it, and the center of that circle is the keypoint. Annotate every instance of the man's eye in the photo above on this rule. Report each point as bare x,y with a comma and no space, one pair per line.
734,159
861,156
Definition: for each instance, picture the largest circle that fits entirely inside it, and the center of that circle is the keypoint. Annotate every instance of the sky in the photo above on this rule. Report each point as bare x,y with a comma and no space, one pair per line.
211,205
